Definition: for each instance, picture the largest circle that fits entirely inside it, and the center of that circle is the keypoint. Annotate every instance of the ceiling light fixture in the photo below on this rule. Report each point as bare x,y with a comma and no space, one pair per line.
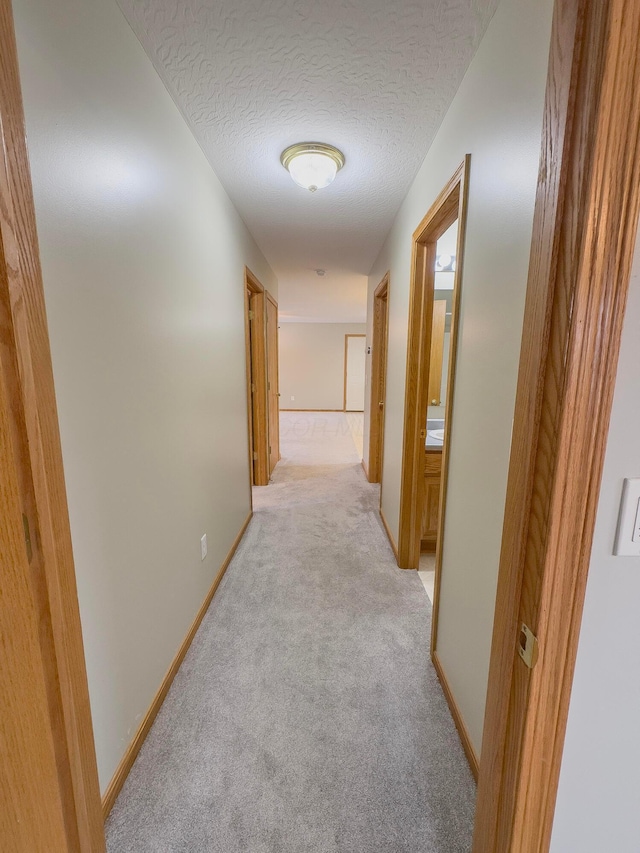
312,165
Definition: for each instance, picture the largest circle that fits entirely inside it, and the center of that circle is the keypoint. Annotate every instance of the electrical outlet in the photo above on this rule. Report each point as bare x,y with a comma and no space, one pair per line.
203,547
292,398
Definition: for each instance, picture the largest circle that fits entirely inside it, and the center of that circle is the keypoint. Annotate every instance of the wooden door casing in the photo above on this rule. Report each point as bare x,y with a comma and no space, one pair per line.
273,393
379,346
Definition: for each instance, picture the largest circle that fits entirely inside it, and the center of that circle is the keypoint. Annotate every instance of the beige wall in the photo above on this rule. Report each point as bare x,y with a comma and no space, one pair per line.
597,806
143,257
496,116
312,364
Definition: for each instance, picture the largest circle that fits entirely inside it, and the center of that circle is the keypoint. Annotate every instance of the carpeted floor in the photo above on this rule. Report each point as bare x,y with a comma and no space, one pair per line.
306,717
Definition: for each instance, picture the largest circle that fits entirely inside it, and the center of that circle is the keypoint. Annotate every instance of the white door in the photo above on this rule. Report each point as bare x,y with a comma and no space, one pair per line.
354,373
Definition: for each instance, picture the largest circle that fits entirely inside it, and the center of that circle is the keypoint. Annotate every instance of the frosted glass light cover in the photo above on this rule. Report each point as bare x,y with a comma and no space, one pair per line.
313,170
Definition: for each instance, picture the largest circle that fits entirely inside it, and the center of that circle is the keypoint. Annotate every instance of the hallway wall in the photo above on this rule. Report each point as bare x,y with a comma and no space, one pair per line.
143,257
312,364
597,806
496,116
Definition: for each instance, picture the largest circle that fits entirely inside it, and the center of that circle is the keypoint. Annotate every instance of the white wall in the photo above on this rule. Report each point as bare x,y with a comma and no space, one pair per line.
143,257
599,793
312,364
496,116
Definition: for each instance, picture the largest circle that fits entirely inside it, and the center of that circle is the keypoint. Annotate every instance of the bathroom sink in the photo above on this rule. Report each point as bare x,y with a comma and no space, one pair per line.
438,434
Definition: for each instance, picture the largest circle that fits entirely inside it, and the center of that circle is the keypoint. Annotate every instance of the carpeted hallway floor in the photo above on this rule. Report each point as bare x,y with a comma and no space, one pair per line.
306,717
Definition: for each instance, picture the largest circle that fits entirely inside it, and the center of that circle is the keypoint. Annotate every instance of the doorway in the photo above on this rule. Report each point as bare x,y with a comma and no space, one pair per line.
379,346
354,364
261,343
427,424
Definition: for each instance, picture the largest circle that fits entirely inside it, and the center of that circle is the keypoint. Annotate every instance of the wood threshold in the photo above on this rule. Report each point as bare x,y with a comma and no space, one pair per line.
126,763
465,739
394,547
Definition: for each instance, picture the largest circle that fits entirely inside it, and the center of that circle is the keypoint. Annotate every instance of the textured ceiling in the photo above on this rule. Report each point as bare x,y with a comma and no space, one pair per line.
373,77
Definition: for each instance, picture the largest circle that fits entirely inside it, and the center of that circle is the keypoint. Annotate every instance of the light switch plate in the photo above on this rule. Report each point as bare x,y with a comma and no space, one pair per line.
628,534
203,547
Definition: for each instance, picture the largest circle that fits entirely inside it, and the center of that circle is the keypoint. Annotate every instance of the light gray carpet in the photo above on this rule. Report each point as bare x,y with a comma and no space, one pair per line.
306,717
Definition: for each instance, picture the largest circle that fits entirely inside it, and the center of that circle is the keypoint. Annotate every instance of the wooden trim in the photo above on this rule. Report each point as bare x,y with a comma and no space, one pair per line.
346,344
257,375
449,404
54,585
126,763
364,468
441,215
392,542
312,410
379,347
585,226
273,389
465,739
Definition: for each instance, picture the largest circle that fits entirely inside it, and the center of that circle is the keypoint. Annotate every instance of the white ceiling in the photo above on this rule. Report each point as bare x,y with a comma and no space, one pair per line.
373,77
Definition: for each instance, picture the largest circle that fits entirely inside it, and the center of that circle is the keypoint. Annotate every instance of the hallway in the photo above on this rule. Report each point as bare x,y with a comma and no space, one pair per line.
307,716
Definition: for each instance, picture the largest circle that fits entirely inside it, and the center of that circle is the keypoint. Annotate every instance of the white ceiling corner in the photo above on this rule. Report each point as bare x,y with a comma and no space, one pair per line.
371,77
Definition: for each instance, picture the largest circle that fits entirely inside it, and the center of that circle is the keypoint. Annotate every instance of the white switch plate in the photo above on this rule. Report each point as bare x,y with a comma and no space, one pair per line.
628,533
203,547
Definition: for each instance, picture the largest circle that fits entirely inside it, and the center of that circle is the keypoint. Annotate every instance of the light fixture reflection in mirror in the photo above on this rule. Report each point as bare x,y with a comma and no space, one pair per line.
445,263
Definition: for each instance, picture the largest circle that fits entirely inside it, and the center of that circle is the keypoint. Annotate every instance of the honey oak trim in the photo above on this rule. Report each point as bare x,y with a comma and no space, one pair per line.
256,355
379,350
584,231
465,738
312,410
126,763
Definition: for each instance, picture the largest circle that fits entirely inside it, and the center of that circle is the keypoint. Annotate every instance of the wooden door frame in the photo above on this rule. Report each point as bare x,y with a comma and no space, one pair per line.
451,204
277,391
256,372
346,343
61,637
585,225
379,345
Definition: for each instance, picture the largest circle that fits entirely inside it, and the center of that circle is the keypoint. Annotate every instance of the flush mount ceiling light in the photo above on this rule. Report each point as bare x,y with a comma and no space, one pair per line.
312,165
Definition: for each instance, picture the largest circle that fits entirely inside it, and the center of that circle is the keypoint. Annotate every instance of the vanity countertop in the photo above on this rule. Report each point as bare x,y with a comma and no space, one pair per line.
433,445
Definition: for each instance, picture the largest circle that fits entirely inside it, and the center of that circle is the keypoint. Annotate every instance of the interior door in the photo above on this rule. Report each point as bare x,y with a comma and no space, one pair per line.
354,373
273,394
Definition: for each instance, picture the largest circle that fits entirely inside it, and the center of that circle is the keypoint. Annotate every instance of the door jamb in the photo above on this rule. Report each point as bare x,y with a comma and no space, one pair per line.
379,347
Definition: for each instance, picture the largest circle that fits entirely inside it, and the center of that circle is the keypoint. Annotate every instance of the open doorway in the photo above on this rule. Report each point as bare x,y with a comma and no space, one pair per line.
379,346
427,424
